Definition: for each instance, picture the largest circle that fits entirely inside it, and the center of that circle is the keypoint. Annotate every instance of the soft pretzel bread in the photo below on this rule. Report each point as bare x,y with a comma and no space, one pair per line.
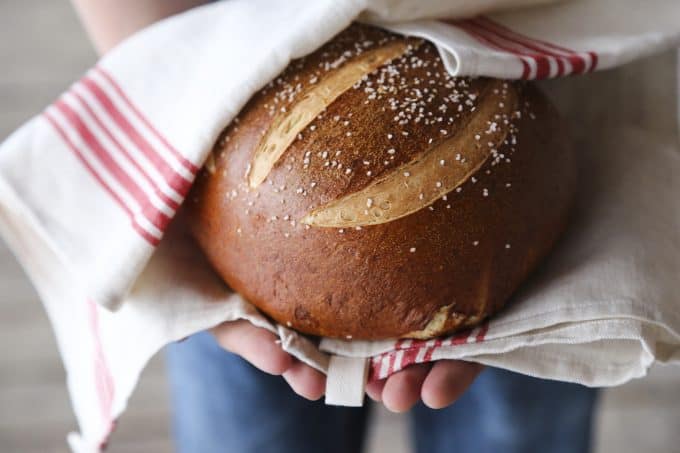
367,194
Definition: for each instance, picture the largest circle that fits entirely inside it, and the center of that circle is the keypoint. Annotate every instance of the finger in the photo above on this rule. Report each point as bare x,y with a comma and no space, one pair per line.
374,389
402,389
305,380
447,381
258,346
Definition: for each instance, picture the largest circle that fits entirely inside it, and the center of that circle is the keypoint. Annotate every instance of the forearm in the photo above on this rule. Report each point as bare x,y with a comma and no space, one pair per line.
110,21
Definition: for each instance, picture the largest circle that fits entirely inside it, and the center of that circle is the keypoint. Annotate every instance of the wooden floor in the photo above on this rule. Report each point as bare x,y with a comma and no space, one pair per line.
42,49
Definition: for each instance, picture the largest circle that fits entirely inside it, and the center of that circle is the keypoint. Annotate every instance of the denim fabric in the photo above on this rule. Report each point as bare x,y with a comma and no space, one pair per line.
510,413
223,404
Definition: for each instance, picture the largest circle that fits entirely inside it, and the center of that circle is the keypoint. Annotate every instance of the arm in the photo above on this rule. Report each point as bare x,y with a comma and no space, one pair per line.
110,21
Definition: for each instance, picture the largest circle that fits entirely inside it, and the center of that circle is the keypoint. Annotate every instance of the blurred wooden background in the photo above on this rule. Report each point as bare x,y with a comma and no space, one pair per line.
43,49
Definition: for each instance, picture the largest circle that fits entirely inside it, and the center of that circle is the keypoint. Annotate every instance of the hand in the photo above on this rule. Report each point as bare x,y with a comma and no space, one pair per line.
261,348
438,384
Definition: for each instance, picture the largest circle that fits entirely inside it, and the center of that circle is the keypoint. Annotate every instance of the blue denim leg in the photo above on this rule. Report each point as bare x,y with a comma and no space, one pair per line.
221,404
509,413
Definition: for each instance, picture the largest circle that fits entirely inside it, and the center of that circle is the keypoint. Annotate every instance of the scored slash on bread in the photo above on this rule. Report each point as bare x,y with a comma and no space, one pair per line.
420,182
288,124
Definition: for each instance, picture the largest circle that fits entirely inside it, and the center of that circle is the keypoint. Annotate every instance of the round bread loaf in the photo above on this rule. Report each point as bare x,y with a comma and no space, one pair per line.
367,194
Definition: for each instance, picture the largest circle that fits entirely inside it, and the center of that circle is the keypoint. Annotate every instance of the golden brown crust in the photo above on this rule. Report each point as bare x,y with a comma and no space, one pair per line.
446,258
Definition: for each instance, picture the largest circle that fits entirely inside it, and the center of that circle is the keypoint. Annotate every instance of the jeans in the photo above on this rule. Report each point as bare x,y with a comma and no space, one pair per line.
221,404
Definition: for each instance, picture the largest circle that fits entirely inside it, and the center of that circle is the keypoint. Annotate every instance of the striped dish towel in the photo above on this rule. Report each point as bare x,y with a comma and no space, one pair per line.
140,171
409,352
91,193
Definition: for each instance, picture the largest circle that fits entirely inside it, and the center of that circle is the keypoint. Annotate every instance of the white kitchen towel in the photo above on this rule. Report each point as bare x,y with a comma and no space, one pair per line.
89,187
